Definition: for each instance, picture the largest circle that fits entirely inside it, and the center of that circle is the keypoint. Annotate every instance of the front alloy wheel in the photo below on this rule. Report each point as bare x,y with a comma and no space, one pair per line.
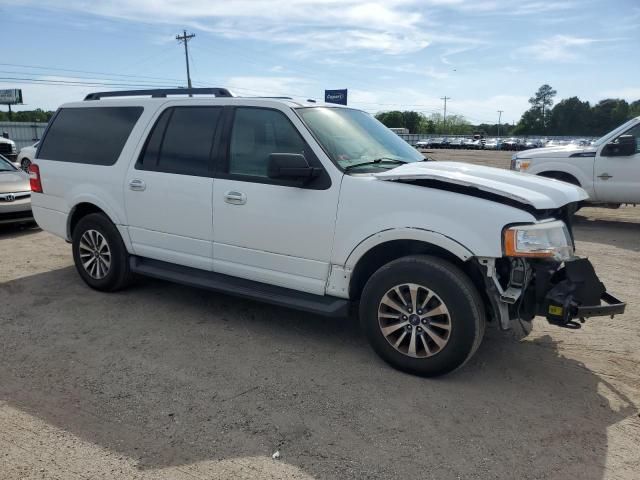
422,315
414,320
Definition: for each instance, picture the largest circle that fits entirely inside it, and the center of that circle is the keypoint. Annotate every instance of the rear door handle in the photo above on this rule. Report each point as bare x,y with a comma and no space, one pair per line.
137,185
235,198
605,176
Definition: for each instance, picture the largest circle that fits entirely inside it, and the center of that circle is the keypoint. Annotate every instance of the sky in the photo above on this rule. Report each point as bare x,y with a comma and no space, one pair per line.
486,55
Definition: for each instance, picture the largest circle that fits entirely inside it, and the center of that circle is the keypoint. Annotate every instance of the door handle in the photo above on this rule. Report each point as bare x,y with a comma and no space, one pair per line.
137,185
605,176
235,198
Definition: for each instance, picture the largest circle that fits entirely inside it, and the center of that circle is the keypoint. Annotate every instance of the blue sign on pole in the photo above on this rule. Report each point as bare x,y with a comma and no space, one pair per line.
336,96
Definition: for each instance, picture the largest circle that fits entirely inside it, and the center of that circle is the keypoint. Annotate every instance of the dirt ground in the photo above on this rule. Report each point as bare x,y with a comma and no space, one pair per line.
163,381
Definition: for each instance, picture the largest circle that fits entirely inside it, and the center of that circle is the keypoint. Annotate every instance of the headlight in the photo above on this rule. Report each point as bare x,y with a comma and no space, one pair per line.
521,164
539,240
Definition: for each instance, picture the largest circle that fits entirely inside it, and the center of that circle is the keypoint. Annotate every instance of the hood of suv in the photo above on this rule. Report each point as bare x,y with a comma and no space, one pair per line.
565,151
11,182
539,192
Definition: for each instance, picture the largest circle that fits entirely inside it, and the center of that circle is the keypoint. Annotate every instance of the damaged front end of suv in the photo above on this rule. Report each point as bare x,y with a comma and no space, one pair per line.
539,274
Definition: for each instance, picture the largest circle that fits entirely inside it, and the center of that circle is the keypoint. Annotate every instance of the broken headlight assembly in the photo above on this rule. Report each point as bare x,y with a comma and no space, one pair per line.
539,240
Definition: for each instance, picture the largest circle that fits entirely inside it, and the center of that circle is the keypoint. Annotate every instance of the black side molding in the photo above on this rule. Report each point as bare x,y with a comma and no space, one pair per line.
240,287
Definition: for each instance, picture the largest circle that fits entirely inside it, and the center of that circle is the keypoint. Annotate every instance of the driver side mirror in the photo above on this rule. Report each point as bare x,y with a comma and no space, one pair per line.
291,166
624,146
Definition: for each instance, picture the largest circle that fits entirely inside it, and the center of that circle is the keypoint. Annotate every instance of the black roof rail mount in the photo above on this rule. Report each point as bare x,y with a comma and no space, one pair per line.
161,93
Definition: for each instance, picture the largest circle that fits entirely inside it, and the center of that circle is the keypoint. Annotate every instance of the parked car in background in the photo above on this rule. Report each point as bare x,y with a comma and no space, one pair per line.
493,144
306,220
26,156
609,170
556,143
456,142
436,142
15,194
8,148
512,144
532,143
422,144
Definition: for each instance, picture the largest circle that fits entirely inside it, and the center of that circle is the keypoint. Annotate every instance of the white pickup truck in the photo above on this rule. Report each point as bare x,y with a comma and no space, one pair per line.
609,170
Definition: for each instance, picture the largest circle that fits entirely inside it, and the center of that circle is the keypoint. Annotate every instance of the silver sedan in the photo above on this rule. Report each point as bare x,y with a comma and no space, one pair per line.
15,194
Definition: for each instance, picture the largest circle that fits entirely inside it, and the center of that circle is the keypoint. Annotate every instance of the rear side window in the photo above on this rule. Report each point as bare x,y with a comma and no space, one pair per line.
181,141
93,135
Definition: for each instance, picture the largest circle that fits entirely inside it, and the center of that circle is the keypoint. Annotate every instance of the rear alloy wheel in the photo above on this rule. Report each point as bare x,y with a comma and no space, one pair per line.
422,315
95,254
99,253
24,164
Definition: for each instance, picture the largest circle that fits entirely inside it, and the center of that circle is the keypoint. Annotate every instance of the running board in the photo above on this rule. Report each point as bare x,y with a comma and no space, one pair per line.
240,287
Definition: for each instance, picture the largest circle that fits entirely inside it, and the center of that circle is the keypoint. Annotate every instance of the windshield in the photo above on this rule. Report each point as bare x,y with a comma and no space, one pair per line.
614,133
5,165
354,139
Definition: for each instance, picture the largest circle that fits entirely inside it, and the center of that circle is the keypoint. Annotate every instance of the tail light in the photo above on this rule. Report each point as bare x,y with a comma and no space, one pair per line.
34,178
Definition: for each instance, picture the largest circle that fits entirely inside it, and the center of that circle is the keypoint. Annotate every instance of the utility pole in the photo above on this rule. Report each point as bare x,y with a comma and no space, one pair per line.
444,118
499,118
184,38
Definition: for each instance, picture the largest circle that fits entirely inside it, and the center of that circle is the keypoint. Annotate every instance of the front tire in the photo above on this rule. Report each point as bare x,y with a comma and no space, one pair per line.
422,315
99,253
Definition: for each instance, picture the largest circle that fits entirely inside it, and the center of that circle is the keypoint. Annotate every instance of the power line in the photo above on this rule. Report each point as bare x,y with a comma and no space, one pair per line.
184,38
54,69
78,83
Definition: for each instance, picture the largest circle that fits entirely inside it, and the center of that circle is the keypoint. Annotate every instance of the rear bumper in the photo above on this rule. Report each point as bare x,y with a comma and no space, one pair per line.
16,217
51,221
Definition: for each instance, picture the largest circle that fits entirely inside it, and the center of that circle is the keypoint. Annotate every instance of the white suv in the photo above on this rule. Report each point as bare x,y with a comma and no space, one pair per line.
315,207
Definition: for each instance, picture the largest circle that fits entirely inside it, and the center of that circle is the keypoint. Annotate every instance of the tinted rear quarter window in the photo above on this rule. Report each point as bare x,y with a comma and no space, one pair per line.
94,135
182,141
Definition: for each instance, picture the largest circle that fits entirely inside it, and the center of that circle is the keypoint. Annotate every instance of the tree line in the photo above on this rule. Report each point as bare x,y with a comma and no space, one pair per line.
570,116
37,115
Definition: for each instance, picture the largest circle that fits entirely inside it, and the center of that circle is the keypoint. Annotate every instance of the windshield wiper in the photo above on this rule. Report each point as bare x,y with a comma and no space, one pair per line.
373,162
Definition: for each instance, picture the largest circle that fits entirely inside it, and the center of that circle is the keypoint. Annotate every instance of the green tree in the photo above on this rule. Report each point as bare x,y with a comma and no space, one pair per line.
412,120
608,114
37,115
542,101
534,120
391,119
570,117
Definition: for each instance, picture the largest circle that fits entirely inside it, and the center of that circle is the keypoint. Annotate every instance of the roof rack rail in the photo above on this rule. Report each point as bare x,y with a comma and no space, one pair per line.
161,93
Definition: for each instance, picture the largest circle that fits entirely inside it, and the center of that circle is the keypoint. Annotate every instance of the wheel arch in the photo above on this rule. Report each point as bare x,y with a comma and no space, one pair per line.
386,246
560,175
84,208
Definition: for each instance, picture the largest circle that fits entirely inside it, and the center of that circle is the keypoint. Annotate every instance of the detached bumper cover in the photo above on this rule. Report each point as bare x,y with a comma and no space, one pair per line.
574,292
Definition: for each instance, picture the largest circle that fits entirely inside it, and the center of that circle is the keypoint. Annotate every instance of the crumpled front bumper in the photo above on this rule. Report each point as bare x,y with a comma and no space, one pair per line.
572,292
563,292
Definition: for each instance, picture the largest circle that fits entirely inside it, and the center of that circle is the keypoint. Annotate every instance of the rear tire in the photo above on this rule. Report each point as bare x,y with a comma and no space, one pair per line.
432,305
99,253
24,164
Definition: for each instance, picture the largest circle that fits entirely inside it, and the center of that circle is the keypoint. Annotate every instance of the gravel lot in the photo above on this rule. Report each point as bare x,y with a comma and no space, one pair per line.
163,381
